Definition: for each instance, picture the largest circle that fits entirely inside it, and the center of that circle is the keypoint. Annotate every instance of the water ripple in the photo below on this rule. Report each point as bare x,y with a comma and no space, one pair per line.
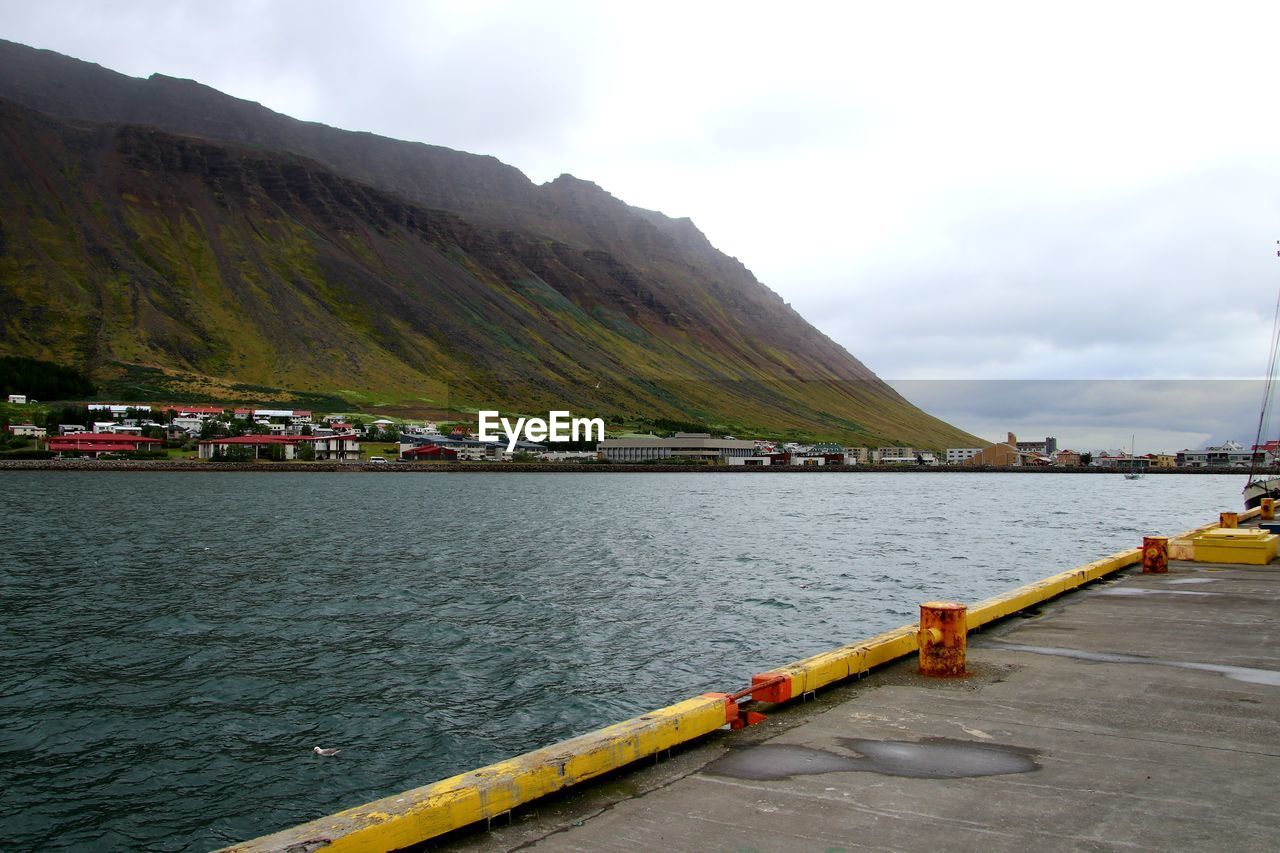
176,644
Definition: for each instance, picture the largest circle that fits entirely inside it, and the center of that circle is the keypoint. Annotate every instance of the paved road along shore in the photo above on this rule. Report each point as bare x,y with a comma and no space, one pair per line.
1141,713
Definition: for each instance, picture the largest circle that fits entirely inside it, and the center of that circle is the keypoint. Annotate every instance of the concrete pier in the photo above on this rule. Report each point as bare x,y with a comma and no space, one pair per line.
1138,713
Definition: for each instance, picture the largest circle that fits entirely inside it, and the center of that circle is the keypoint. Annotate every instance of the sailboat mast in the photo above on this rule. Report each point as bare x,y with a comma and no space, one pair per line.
1268,386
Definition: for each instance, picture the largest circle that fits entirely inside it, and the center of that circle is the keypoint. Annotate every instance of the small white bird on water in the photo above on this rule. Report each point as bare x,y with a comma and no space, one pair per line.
325,752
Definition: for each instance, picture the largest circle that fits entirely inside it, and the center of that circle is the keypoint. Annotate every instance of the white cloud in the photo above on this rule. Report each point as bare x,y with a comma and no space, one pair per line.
1156,415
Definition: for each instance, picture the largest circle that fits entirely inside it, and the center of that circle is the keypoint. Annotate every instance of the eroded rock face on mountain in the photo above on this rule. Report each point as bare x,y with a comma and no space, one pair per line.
161,223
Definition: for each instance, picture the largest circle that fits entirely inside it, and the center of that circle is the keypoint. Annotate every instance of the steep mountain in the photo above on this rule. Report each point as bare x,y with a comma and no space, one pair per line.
161,224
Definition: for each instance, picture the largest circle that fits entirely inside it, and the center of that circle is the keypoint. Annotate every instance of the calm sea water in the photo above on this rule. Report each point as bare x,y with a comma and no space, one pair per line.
174,644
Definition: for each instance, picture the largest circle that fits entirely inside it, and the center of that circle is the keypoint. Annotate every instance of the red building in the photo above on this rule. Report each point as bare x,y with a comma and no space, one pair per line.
430,451
331,448
96,443
259,445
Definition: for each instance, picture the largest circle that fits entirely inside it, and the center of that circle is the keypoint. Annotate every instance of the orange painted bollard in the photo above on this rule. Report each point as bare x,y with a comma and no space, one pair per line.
1228,519
1155,555
943,637
1268,509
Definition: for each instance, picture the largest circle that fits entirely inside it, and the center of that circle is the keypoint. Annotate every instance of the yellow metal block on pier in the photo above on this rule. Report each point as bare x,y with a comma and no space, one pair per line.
1249,546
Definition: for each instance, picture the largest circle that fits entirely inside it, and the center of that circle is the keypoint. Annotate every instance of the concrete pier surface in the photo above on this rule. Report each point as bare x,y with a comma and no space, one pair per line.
1140,713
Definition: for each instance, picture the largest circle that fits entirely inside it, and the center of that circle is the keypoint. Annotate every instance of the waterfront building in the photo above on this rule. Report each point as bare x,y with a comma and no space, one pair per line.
1228,455
808,461
857,455
1192,459
568,456
434,452
894,455
97,443
1121,461
758,460
1048,447
683,445
1232,455
259,445
469,449
1271,449
1067,459
1002,454
331,448
961,455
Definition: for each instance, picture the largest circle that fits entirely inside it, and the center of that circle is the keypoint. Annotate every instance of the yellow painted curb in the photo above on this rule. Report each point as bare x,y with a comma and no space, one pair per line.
432,810
424,813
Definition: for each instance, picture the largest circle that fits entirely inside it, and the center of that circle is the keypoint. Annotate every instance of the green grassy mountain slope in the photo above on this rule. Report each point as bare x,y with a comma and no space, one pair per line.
125,245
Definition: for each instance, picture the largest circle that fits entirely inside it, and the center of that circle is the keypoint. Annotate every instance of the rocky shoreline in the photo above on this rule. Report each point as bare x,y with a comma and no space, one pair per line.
190,465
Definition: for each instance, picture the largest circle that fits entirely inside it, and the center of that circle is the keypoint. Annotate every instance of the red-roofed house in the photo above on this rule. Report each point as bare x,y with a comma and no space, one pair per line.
260,445
336,448
430,451
97,443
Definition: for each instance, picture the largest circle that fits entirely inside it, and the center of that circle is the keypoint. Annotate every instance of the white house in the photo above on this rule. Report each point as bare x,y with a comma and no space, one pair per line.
191,425
20,399
749,460
337,448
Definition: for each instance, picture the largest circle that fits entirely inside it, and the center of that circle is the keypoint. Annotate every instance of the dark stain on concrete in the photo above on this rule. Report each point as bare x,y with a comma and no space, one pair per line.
1250,675
928,758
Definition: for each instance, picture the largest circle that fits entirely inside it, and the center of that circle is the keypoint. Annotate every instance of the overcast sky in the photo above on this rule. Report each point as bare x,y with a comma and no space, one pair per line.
951,191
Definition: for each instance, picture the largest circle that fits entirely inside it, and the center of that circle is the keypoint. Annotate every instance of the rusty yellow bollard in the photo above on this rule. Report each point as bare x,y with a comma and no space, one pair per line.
1155,555
1268,509
942,637
1228,519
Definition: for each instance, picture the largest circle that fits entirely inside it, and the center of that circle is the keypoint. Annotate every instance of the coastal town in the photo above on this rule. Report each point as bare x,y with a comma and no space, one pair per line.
215,432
